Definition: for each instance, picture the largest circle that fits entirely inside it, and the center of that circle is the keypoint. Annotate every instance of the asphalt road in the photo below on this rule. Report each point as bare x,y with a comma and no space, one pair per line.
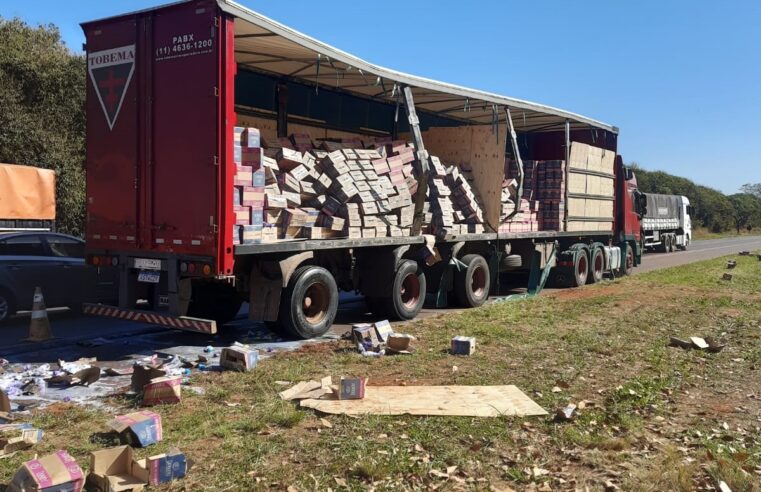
114,340
699,251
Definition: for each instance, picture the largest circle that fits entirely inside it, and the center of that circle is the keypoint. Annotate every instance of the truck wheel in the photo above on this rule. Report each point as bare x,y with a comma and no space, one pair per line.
580,268
309,303
628,266
7,306
510,262
597,267
407,292
472,284
214,300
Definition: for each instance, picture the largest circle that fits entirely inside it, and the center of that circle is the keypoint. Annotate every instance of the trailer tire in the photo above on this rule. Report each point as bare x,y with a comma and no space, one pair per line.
580,268
627,267
407,292
511,262
214,300
309,303
472,284
596,266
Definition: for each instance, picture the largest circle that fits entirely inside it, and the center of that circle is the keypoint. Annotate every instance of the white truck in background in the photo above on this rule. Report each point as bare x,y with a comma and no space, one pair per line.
667,223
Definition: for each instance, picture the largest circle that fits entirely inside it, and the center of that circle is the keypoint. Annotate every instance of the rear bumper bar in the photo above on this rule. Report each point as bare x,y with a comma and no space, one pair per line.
150,317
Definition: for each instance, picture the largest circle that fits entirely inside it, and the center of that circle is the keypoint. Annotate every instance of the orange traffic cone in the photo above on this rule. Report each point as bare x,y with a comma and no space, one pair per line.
39,328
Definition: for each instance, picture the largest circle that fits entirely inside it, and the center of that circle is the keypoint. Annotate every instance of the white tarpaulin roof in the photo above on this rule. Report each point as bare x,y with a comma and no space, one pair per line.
262,44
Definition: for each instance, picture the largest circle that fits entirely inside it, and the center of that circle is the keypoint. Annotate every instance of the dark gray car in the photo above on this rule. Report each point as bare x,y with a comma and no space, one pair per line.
56,263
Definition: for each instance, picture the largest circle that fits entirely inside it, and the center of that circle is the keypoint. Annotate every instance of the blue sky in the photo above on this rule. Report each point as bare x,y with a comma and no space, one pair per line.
681,79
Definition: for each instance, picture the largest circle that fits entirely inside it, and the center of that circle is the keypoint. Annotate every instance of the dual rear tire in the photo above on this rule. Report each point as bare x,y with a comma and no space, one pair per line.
406,296
472,283
309,304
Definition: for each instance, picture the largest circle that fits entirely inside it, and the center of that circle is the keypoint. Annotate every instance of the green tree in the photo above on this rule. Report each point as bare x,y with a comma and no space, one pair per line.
713,209
752,189
746,209
42,120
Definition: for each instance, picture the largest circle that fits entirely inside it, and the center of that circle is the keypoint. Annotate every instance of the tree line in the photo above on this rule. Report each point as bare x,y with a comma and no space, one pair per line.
713,209
42,117
42,123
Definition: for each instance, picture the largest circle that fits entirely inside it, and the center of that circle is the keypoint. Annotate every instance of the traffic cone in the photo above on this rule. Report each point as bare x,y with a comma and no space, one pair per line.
39,327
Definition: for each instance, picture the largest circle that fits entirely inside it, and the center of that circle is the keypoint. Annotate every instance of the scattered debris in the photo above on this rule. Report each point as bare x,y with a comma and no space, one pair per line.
167,389
163,468
17,437
726,276
566,413
744,253
239,357
462,345
57,471
731,264
723,487
473,401
399,343
610,486
351,388
308,389
699,343
139,429
366,338
113,469
142,375
708,344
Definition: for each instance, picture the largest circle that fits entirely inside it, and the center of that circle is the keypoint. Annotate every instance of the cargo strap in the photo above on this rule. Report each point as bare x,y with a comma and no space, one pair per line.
537,277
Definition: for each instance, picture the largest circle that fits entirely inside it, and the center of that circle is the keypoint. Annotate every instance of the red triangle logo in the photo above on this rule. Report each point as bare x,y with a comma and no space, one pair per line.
111,72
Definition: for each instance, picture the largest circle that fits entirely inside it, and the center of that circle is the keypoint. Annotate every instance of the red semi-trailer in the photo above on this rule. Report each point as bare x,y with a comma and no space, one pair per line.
166,87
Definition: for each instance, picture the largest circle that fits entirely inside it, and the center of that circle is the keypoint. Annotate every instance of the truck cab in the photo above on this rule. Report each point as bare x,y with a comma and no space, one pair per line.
666,222
686,236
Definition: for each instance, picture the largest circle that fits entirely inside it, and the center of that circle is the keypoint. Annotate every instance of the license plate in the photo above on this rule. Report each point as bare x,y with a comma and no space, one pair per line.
147,264
149,277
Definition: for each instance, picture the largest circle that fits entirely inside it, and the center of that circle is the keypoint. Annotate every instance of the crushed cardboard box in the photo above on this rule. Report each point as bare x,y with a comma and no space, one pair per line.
239,357
162,468
54,472
112,470
17,437
472,401
163,390
138,429
308,389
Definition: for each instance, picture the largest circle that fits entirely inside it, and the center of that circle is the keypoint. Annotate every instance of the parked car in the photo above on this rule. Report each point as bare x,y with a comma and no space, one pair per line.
56,263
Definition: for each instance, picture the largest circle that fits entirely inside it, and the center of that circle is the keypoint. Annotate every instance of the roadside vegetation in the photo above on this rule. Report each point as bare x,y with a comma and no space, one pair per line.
650,417
715,212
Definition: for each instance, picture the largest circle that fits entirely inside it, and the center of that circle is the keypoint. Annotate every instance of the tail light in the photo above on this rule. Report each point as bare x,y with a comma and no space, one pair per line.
207,270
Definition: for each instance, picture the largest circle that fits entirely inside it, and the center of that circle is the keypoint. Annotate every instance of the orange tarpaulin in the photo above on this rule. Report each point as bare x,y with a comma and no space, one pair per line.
26,193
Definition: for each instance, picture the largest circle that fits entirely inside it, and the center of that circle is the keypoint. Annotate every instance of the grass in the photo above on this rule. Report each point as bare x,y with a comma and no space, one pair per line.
700,233
652,419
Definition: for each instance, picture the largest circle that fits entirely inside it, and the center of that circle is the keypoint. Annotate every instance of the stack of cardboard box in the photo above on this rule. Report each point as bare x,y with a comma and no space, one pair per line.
542,202
453,207
289,188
